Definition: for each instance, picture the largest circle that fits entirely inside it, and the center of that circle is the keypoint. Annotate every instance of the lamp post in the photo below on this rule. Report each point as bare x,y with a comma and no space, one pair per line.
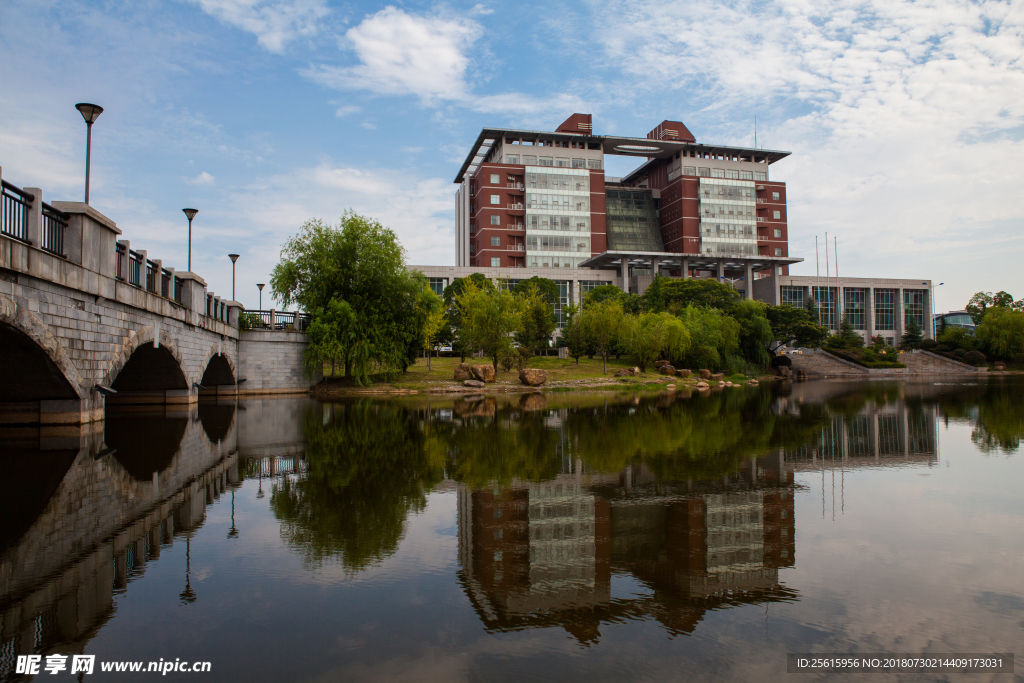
233,257
191,213
261,295
89,112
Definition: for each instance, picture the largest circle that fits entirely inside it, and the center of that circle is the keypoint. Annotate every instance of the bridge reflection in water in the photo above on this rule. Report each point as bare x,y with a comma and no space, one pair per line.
91,506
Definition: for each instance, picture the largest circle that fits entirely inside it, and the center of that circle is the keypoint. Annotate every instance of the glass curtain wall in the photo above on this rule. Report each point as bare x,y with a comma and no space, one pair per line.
632,219
855,307
885,309
825,298
793,296
913,307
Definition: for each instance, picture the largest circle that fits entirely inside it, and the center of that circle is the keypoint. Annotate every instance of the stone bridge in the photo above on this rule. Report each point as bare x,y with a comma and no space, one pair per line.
83,313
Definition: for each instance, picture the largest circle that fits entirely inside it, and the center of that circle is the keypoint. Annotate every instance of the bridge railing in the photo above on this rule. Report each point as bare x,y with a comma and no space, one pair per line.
277,320
54,225
16,206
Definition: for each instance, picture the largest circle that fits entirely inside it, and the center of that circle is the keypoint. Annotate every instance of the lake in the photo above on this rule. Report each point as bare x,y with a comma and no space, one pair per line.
560,536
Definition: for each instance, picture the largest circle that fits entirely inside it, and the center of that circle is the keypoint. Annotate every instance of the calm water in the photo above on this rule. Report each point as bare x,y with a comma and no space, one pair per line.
568,537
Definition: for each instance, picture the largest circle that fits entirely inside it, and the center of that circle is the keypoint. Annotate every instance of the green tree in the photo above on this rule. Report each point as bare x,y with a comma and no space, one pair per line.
958,338
791,325
331,335
1001,332
574,334
538,317
755,330
714,337
653,298
648,335
602,293
432,314
912,336
489,318
678,294
813,312
603,322
848,338
361,264
453,327
547,288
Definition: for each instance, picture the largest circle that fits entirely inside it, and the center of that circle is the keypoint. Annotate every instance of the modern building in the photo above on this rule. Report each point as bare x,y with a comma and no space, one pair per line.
954,319
535,199
874,306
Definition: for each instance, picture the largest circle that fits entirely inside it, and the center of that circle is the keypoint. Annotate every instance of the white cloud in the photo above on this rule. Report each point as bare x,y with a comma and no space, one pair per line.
203,178
346,110
904,118
405,54
273,22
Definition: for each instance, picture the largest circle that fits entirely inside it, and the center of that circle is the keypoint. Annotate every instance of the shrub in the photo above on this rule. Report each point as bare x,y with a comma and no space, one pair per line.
957,338
249,321
782,362
960,353
929,344
944,348
974,357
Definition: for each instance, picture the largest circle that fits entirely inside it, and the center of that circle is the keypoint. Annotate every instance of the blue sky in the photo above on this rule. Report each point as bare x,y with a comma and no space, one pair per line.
905,119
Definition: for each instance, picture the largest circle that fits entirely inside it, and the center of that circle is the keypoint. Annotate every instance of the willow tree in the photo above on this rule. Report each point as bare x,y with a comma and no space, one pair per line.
351,279
489,318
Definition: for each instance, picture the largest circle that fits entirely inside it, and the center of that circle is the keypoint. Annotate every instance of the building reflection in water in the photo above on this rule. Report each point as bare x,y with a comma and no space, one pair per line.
544,554
116,495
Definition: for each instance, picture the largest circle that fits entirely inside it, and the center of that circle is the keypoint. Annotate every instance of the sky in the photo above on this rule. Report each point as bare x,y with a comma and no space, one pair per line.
905,120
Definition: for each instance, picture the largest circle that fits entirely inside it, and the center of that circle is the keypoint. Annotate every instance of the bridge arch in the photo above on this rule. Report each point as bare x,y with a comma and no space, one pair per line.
218,369
34,366
145,372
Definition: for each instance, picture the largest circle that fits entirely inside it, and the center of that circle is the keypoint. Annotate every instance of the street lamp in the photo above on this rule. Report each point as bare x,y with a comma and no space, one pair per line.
89,112
191,213
261,295
233,257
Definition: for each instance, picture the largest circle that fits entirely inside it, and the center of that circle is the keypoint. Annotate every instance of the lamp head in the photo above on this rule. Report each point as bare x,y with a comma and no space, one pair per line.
191,213
261,286
233,257
90,112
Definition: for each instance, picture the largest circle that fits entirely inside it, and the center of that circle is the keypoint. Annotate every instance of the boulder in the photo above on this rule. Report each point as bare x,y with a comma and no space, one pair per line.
659,363
622,373
483,373
683,373
999,365
702,385
667,370
533,377
705,374
721,383
753,382
473,383
670,387
635,371
533,401
784,372
716,377
463,372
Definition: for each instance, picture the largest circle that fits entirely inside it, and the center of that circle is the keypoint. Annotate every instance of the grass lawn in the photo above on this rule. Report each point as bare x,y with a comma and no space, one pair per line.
561,372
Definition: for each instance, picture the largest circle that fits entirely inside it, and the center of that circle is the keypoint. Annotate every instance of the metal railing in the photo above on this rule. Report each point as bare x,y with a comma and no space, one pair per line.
134,269
517,226
150,276
514,207
278,320
16,204
55,224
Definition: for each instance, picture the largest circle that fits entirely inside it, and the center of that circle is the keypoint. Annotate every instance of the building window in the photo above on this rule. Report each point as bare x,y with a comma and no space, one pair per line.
563,296
776,215
778,251
594,164
436,285
734,175
775,196
746,175
496,241
913,307
760,175
579,163
495,178
718,173
793,296
529,160
511,158
545,161
855,307
689,170
561,163
825,297
885,309
495,262
495,198
495,219
778,232
703,172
